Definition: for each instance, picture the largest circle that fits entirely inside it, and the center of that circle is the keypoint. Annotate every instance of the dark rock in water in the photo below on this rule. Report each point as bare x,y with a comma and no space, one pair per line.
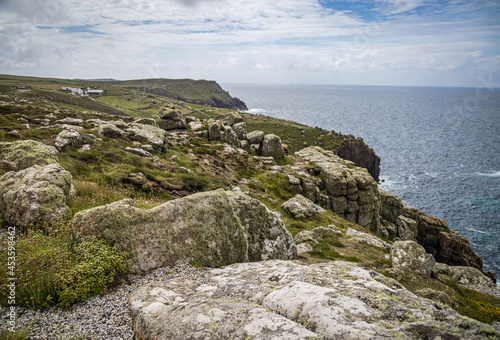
362,155
445,245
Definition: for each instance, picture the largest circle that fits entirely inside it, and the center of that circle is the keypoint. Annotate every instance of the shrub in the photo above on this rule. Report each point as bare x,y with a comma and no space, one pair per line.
98,263
51,268
41,254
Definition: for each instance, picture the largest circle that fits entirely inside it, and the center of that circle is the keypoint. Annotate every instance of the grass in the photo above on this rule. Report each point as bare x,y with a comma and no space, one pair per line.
52,267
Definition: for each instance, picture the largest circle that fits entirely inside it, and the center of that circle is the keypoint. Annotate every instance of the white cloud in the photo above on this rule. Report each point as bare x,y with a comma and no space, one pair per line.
249,40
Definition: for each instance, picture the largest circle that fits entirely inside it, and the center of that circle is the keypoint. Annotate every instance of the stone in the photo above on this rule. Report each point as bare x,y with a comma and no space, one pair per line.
301,207
244,144
215,228
367,238
351,190
84,148
272,147
148,134
320,232
409,255
445,245
138,152
70,121
292,300
171,118
195,126
471,278
68,138
146,121
392,206
235,117
111,131
214,130
304,248
231,137
35,194
294,183
27,153
406,228
305,236
435,295
241,130
255,137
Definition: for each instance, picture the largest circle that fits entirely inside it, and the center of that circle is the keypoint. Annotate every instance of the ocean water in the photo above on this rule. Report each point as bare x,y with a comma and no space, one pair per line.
439,147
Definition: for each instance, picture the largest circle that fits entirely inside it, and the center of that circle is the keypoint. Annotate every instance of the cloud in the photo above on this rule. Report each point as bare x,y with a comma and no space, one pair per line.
238,40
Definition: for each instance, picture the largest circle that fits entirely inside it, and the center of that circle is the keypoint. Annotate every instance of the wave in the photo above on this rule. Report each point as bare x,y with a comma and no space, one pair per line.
476,230
255,111
490,174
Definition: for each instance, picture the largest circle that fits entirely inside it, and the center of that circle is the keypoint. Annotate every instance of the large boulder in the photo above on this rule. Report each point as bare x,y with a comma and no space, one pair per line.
27,153
171,118
215,228
392,206
231,137
293,300
111,131
214,129
35,194
351,192
68,138
409,255
255,137
241,130
271,147
148,134
445,245
301,207
469,277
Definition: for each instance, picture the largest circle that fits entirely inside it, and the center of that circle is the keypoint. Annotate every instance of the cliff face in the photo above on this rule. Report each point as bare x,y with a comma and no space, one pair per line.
362,155
445,245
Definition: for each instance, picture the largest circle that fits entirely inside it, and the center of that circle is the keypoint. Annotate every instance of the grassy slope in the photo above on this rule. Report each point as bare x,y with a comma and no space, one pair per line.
103,175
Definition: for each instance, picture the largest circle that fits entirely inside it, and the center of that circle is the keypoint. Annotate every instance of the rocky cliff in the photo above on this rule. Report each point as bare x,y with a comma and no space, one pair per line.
206,187
357,151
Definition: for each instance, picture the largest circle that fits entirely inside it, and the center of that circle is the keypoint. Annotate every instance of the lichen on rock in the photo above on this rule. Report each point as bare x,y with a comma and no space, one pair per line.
215,228
35,194
291,300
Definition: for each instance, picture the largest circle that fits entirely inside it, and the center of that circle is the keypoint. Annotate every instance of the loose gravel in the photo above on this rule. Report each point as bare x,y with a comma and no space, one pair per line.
100,317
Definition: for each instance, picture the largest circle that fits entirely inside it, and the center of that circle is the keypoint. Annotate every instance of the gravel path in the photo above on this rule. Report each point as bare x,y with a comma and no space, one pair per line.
100,317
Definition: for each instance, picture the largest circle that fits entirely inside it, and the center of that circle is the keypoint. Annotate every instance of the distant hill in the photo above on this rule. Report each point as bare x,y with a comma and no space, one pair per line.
200,92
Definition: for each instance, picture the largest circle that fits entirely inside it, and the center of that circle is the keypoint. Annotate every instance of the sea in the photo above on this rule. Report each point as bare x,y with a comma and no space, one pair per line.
439,147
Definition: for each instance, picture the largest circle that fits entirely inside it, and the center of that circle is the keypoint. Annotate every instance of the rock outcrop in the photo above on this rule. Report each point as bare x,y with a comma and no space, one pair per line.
301,207
36,194
171,118
272,147
68,138
27,153
215,228
292,300
149,135
352,191
409,255
111,131
445,245
358,152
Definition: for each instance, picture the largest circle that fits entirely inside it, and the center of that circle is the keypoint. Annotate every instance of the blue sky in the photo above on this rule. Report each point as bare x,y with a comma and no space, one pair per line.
382,42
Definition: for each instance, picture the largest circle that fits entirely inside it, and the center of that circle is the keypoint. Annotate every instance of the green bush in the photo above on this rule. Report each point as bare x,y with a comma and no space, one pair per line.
97,265
41,254
51,268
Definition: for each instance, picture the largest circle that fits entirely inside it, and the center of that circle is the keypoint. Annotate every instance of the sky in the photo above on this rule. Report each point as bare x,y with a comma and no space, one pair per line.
381,42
